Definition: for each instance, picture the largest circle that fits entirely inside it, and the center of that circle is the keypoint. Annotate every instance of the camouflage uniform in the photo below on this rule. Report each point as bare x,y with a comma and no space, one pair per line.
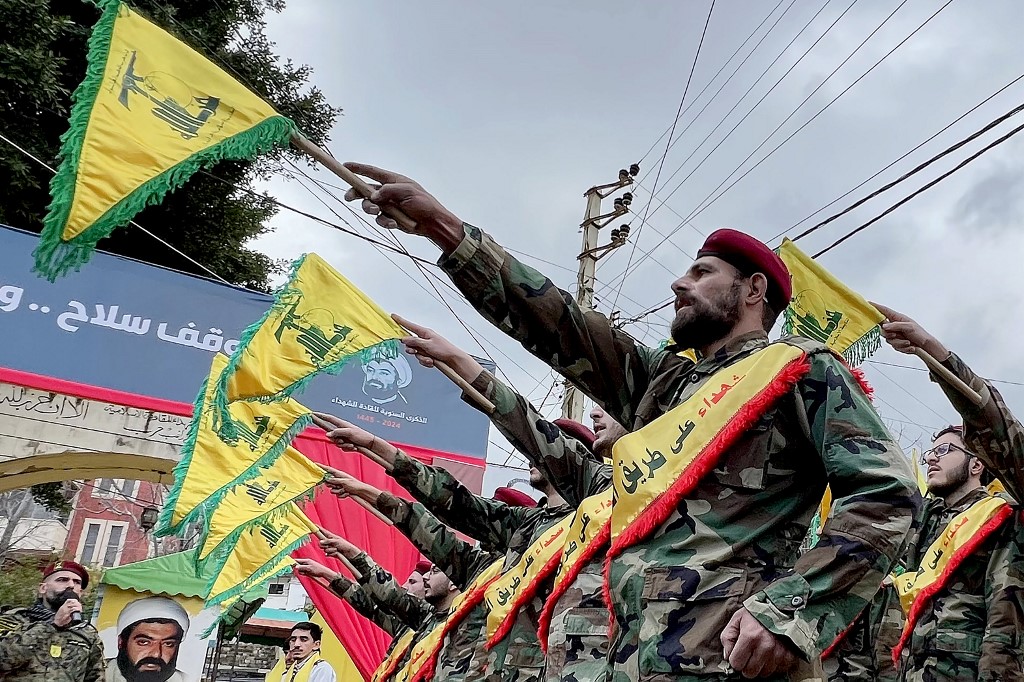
498,527
577,643
865,653
462,656
33,649
734,542
364,605
972,629
407,611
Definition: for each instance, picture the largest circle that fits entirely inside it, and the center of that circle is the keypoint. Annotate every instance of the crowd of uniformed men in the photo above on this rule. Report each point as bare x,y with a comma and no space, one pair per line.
698,566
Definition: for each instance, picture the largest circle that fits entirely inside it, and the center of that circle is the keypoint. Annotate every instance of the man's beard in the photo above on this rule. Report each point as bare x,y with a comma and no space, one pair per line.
956,479
701,323
132,673
375,390
56,600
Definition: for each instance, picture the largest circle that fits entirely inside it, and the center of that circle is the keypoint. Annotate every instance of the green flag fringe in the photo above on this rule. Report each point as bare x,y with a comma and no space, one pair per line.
284,297
858,352
261,575
219,554
55,257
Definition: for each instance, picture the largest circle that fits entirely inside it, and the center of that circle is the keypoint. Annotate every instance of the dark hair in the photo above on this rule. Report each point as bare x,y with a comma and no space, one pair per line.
986,475
312,628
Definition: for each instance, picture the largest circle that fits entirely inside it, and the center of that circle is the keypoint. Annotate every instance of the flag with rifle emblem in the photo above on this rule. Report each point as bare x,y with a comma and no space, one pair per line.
261,552
826,310
319,322
150,113
292,478
210,468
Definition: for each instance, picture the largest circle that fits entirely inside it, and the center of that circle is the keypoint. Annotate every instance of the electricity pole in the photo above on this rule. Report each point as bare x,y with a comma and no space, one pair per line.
593,221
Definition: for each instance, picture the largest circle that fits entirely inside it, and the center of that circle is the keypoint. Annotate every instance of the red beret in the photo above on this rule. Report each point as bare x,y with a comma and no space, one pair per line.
578,431
748,255
423,567
72,566
514,498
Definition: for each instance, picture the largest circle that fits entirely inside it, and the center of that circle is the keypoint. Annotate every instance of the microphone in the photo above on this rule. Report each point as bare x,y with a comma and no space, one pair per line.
76,617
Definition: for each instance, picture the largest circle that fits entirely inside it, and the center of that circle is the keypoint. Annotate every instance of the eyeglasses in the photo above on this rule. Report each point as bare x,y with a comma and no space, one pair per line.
941,450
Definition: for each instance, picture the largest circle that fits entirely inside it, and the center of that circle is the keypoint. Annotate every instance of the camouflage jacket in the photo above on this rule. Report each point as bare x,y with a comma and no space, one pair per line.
381,587
578,637
974,628
462,656
497,526
32,649
365,606
734,542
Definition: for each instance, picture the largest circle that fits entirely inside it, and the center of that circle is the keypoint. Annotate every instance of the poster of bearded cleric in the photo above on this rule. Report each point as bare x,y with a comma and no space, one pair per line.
153,638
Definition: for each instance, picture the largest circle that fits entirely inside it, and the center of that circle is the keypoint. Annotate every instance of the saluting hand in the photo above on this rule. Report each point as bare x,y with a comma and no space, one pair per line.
345,485
348,436
336,546
906,335
313,569
433,220
428,346
752,650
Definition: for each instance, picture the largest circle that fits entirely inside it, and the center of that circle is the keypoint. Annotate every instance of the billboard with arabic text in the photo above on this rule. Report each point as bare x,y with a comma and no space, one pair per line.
127,326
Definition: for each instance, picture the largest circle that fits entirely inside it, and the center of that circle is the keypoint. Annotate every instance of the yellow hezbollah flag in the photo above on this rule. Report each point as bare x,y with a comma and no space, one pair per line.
209,467
290,479
319,322
824,309
262,551
150,113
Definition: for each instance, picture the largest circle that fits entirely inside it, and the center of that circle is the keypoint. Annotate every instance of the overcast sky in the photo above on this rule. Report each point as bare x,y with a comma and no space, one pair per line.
507,112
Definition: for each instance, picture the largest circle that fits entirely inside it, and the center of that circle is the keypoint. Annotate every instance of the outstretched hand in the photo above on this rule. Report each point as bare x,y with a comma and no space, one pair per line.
907,336
392,190
429,347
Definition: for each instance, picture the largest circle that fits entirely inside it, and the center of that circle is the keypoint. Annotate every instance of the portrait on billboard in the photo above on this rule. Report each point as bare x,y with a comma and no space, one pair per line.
385,374
150,632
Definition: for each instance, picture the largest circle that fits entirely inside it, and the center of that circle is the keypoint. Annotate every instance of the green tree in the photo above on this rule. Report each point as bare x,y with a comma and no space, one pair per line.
42,60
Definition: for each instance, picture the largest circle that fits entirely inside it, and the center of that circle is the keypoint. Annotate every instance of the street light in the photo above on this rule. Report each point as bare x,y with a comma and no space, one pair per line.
148,518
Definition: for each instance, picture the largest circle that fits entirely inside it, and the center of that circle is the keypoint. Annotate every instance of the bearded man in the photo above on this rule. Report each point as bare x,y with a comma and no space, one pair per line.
150,632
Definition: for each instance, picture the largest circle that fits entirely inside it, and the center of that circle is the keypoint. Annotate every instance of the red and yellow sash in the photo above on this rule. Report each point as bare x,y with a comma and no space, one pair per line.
656,467
517,585
398,652
588,535
961,536
423,660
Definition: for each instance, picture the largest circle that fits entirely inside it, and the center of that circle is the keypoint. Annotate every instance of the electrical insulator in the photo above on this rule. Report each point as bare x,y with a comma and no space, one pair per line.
624,230
627,198
615,235
618,203
623,175
634,170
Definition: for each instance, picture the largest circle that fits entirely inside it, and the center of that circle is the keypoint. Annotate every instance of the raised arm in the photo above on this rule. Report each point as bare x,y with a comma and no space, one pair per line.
456,558
491,522
990,431
565,462
606,363
353,593
379,583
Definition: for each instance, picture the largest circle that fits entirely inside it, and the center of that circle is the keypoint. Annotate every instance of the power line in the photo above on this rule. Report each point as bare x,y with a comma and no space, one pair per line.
661,163
945,152
895,161
131,222
713,78
703,207
923,369
923,189
914,397
624,273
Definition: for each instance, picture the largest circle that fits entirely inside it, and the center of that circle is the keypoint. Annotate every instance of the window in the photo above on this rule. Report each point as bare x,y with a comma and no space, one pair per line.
102,542
275,588
113,487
